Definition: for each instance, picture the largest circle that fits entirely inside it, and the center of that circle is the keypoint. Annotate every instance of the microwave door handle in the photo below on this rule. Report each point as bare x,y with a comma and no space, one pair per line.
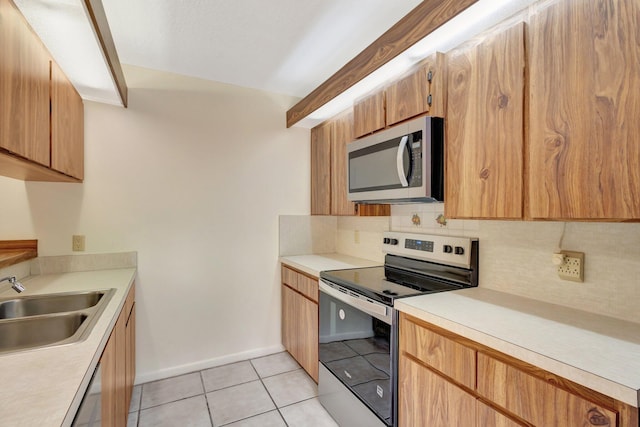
400,162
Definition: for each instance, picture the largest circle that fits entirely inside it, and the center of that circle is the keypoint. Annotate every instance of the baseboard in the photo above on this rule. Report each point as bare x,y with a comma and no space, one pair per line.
206,364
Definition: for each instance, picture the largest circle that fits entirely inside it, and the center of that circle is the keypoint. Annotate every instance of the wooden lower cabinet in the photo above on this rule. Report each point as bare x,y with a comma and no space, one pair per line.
300,319
118,367
427,399
434,388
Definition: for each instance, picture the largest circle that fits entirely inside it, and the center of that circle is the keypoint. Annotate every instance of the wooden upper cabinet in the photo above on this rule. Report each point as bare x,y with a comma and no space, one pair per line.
321,137
484,127
67,126
369,114
343,134
584,146
24,88
421,91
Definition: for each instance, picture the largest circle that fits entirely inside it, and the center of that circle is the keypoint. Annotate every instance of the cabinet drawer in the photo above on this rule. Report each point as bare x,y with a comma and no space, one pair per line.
443,354
308,287
290,278
535,400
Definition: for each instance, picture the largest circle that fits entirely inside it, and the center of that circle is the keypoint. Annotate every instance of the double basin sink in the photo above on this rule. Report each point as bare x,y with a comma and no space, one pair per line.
46,320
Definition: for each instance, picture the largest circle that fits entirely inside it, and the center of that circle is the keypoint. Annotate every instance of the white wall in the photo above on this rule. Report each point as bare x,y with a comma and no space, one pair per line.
193,176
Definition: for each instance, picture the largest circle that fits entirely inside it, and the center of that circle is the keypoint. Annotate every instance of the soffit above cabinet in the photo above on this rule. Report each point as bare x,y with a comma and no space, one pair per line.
77,35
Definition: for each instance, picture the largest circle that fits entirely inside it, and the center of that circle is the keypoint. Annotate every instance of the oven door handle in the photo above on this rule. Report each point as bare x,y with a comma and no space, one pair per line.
379,311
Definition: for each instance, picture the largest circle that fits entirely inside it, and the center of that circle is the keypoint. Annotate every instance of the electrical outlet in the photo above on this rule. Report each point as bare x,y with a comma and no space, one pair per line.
77,243
573,266
356,236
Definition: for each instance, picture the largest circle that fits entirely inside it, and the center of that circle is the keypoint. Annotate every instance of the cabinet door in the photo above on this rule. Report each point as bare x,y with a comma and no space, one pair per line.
427,399
289,321
407,97
537,401
307,335
369,114
113,362
584,150
343,134
321,137
67,126
24,88
487,416
130,364
484,127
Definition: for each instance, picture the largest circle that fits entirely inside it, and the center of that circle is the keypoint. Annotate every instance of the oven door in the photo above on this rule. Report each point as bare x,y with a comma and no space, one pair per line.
357,351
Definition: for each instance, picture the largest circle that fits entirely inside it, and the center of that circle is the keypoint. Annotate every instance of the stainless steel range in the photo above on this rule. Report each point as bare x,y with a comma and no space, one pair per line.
358,324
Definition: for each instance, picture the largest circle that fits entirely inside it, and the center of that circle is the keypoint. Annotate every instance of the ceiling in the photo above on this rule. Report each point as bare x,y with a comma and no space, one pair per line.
281,46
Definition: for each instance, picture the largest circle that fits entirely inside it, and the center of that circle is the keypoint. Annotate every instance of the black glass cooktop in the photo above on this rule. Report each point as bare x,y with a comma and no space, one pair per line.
375,284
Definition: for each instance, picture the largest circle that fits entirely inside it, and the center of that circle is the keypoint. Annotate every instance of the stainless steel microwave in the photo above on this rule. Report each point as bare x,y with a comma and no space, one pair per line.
402,164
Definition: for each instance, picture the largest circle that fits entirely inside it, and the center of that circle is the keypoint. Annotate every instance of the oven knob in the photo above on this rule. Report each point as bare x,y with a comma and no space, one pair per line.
386,240
447,249
459,250
394,241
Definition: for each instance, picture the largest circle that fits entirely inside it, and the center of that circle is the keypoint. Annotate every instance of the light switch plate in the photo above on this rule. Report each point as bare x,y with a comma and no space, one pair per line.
77,243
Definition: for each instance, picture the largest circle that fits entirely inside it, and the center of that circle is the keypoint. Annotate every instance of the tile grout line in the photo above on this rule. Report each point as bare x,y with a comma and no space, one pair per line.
204,389
269,394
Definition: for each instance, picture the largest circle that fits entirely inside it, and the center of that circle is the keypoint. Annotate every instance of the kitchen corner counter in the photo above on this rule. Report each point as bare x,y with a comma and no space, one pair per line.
314,264
598,352
45,386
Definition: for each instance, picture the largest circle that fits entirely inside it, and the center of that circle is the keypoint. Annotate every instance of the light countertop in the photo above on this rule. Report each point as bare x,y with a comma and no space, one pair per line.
596,351
44,387
314,264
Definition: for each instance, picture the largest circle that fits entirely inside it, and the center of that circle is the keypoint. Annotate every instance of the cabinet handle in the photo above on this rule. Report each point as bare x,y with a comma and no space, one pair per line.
597,418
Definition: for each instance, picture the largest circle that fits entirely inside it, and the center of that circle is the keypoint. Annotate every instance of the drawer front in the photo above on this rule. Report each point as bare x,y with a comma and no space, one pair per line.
290,277
443,354
308,287
535,400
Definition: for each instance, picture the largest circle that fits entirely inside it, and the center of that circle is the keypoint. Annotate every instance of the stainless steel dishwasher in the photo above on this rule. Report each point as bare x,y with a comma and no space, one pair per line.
89,412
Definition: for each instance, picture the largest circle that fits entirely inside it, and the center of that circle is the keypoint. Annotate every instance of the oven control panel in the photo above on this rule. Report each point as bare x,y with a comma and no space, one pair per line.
445,249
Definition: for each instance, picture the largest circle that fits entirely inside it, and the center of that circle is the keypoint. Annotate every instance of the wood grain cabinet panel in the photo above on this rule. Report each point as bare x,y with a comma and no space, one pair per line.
369,114
24,88
343,135
489,417
118,367
584,131
289,328
329,170
321,137
537,401
67,126
447,356
421,91
484,127
300,320
426,399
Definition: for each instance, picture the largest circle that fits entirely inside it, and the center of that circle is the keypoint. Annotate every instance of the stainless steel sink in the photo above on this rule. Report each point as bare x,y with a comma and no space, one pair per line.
45,304
49,320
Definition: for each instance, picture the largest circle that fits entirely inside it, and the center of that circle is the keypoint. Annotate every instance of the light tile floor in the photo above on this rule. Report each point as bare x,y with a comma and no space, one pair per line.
270,391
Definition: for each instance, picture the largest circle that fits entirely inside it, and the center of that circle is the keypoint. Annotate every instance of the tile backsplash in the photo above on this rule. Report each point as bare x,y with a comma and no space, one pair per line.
515,257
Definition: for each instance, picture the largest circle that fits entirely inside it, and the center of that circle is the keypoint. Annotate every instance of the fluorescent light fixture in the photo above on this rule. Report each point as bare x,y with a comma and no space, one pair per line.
65,28
479,17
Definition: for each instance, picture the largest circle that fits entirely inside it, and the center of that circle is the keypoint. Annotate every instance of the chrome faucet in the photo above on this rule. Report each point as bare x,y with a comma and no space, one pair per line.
15,285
